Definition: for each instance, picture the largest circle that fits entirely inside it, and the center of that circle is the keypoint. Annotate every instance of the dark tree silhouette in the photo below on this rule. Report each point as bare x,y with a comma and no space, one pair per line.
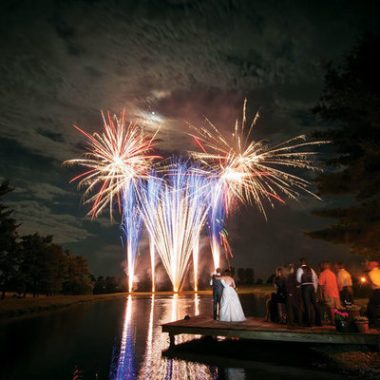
249,275
100,285
9,258
241,276
350,110
33,263
78,277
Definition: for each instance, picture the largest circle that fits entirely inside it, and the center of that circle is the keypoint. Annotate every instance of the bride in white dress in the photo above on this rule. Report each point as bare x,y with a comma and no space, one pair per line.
230,306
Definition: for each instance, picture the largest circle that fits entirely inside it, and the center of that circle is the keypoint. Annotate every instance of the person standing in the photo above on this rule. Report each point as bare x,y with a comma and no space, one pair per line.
330,291
345,285
308,280
293,297
280,296
230,306
217,291
373,308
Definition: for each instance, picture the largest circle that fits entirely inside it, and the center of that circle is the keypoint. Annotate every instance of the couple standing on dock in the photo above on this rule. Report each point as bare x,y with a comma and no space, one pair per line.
225,297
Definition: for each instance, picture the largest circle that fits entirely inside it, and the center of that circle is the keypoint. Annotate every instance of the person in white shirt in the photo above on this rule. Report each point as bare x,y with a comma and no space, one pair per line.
308,280
344,284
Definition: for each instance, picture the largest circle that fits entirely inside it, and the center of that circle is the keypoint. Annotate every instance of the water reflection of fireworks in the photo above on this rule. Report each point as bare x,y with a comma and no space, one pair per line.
157,367
126,363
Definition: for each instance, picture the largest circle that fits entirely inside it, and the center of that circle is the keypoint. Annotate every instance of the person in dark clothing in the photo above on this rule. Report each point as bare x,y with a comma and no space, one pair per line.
217,291
293,297
308,281
279,284
279,297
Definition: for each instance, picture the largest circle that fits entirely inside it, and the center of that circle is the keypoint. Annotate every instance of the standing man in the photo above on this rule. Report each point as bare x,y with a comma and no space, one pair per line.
373,308
217,291
293,297
308,280
344,285
330,291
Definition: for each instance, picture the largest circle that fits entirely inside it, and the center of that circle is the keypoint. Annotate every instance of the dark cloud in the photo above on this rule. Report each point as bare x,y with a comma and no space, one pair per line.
57,137
62,62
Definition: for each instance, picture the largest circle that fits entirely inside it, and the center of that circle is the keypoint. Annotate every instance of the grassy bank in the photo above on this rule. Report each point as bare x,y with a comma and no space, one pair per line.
16,307
20,307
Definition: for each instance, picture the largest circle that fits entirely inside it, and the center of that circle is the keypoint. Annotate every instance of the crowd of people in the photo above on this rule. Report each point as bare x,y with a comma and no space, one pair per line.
302,297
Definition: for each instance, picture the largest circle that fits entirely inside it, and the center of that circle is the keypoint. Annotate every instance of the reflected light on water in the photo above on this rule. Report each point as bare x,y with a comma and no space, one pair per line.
196,304
126,362
146,370
179,369
154,365
174,308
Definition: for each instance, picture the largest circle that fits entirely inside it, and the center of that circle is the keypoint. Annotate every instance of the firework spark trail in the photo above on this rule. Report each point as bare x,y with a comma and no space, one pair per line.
196,262
131,228
199,182
176,220
215,223
153,187
251,171
114,159
152,254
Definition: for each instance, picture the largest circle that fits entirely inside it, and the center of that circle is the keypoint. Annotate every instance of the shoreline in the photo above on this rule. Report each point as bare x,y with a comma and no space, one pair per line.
16,308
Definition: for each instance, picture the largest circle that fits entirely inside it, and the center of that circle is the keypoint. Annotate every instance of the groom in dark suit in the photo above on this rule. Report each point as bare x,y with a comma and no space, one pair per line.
217,291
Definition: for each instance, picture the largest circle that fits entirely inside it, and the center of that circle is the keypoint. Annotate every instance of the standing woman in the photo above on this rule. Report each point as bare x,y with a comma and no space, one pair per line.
279,283
230,306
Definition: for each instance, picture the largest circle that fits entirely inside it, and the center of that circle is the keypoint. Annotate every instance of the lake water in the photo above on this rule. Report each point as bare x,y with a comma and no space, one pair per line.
122,339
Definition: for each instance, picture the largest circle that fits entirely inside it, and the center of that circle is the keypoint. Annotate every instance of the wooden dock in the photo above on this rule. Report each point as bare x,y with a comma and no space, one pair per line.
257,329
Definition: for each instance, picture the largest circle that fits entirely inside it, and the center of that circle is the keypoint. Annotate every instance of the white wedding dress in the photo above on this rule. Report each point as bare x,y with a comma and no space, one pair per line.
230,306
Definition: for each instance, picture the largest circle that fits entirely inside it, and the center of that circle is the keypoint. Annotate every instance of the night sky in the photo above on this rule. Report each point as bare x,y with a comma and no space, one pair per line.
62,62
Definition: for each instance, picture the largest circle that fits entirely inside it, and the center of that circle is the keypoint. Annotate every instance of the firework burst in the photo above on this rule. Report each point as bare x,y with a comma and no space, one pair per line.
115,159
251,171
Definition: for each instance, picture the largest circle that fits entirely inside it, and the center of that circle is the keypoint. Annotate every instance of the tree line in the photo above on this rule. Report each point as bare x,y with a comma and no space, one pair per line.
35,264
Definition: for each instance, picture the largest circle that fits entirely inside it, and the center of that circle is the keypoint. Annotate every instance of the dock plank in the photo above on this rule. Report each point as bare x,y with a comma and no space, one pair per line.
257,329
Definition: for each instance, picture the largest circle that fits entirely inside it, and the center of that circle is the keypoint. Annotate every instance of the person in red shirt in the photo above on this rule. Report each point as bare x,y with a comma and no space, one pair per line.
330,291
